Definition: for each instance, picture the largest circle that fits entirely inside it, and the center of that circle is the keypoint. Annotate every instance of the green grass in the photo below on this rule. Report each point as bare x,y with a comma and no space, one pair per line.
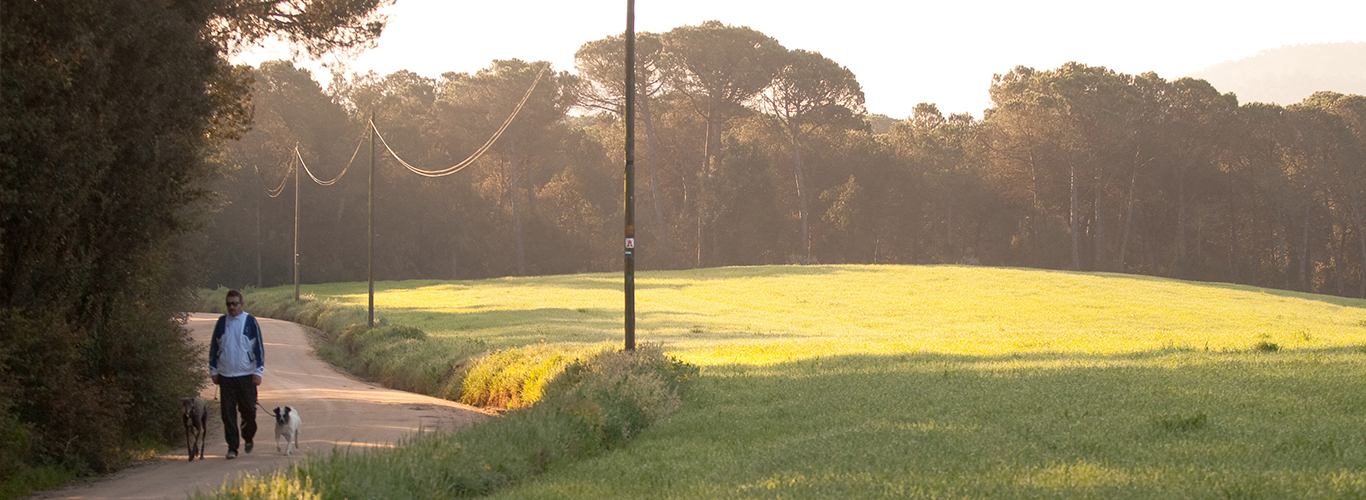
1154,425
765,315
947,382
32,480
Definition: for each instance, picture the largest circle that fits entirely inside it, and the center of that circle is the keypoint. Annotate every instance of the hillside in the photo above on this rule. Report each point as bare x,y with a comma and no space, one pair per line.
772,314
1286,75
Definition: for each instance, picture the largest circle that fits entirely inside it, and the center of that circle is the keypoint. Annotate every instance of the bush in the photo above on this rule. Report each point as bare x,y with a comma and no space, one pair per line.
15,439
621,393
117,391
515,378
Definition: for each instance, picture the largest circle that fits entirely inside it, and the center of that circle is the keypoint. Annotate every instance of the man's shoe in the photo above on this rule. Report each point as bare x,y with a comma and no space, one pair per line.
248,446
232,455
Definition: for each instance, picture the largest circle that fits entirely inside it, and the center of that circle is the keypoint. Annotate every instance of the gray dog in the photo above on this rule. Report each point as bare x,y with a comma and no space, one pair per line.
196,417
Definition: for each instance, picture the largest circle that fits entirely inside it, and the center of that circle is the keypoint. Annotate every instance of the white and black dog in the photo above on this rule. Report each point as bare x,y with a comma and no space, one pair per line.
195,415
287,426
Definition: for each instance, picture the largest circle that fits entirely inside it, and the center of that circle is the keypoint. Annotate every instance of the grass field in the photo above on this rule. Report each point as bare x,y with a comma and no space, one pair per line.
766,315
949,382
1182,425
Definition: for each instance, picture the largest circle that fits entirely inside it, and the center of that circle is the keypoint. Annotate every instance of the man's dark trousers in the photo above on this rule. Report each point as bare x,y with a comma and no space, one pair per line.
238,395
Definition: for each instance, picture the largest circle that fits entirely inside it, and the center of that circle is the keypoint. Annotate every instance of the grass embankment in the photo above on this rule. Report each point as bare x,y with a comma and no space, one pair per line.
403,357
587,399
595,404
868,382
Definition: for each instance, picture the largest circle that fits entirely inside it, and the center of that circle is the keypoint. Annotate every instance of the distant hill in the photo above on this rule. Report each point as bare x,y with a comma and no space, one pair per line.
1286,75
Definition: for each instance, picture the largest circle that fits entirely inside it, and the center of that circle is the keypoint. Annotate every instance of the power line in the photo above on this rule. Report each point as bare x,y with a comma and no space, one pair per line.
321,182
274,193
477,153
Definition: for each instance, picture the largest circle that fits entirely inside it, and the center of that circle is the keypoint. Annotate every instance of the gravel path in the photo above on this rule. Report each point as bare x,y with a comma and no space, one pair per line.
337,412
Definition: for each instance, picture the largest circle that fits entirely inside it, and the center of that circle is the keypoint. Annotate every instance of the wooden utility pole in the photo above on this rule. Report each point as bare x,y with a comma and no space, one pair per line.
296,230
370,208
629,115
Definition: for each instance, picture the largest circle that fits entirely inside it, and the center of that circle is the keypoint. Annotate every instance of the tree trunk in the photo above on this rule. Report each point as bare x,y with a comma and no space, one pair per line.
1304,249
1072,219
1101,258
1252,227
1128,221
653,168
802,207
708,152
1361,239
1178,266
1037,209
1339,257
1232,232
517,208
258,245
949,250
1281,253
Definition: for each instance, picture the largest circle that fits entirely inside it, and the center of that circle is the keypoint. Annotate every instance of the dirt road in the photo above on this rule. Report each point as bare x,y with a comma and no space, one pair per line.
337,412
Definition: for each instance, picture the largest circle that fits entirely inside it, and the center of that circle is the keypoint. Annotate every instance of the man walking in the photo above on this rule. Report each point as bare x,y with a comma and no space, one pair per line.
237,360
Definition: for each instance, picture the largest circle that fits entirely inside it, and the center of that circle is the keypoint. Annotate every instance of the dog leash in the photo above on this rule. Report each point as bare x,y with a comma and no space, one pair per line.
258,405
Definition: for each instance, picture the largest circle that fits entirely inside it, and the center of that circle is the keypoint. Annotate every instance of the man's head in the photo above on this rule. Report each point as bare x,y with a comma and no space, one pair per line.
234,303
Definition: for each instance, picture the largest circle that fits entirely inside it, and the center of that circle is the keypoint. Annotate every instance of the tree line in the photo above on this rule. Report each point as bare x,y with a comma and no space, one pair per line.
752,153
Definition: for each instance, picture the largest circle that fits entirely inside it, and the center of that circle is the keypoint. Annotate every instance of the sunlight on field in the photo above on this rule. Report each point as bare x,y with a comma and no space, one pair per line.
1163,424
764,315
942,381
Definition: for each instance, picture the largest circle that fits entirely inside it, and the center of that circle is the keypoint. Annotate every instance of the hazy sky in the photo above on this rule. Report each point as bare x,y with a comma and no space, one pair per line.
903,52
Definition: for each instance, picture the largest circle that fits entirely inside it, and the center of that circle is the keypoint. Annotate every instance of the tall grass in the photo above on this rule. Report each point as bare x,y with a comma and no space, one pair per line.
607,398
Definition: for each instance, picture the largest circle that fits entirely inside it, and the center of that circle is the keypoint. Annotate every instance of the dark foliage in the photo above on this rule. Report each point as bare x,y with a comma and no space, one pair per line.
1079,167
110,108
108,115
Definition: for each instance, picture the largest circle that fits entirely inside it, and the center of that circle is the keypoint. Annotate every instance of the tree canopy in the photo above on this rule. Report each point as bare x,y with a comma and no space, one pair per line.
760,154
111,112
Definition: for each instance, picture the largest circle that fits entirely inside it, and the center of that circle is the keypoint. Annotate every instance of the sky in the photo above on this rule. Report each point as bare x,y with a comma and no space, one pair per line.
902,52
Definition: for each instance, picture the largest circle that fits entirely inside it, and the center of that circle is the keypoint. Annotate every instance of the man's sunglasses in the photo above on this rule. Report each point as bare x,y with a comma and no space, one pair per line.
231,304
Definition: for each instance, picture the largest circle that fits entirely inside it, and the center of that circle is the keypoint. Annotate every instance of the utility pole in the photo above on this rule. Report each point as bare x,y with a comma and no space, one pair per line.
296,229
630,196
370,207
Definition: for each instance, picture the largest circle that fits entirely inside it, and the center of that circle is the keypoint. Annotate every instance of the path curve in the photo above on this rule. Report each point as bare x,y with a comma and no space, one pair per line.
337,412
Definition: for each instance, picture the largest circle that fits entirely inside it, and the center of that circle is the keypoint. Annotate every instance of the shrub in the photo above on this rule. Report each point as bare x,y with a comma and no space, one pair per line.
117,390
515,378
621,393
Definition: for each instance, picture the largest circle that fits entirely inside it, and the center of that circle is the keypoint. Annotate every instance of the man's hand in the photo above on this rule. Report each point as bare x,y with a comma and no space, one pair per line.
217,380
256,379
